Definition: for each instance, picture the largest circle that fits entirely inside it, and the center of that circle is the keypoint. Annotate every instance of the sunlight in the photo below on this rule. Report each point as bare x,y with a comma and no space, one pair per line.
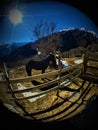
15,16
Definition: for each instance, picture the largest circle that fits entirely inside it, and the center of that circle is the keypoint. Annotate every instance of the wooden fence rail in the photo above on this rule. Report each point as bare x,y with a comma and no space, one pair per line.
45,85
30,78
72,71
49,83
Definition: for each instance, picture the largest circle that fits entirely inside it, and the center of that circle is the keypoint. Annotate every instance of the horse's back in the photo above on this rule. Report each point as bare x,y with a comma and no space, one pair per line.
32,63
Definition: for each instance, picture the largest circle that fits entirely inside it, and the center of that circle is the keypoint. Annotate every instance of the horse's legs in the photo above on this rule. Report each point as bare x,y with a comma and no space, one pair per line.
28,70
43,71
44,79
29,73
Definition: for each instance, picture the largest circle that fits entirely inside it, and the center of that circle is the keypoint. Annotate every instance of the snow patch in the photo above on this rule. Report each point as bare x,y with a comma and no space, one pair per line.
26,94
78,61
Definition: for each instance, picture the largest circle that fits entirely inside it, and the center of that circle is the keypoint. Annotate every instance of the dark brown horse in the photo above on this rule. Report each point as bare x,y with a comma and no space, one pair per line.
41,65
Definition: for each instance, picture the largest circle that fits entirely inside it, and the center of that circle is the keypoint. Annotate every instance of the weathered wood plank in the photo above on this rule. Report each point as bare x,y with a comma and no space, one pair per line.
30,78
49,83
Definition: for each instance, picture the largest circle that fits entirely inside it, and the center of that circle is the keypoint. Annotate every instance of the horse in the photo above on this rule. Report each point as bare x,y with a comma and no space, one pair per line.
41,65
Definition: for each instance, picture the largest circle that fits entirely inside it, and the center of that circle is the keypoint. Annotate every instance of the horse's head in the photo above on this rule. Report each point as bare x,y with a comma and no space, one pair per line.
53,61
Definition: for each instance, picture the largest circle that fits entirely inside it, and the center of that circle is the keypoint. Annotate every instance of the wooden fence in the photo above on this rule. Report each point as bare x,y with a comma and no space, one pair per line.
90,66
61,75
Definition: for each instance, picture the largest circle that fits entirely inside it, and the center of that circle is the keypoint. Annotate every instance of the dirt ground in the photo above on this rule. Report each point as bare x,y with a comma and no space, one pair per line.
53,106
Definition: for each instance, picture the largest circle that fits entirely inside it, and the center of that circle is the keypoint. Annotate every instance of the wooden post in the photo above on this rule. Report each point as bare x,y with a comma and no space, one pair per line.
85,61
5,70
59,75
8,81
11,90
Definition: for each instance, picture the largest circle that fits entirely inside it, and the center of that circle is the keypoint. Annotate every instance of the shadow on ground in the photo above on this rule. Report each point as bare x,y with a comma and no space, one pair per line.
87,119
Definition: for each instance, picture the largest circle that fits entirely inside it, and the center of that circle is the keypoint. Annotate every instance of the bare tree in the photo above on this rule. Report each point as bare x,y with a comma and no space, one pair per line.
52,27
44,28
37,30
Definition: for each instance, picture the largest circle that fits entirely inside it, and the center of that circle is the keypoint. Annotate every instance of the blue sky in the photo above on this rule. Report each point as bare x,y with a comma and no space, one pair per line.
64,15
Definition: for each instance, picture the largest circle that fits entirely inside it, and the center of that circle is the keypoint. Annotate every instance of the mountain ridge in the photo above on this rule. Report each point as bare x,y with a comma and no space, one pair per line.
64,40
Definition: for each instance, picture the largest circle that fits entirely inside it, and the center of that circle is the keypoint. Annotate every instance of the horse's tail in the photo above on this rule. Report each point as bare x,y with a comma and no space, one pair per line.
28,69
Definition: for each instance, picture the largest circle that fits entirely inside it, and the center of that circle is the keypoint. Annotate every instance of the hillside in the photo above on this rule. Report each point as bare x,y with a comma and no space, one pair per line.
6,49
65,40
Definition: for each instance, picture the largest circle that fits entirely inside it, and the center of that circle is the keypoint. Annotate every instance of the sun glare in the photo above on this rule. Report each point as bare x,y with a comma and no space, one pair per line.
15,16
